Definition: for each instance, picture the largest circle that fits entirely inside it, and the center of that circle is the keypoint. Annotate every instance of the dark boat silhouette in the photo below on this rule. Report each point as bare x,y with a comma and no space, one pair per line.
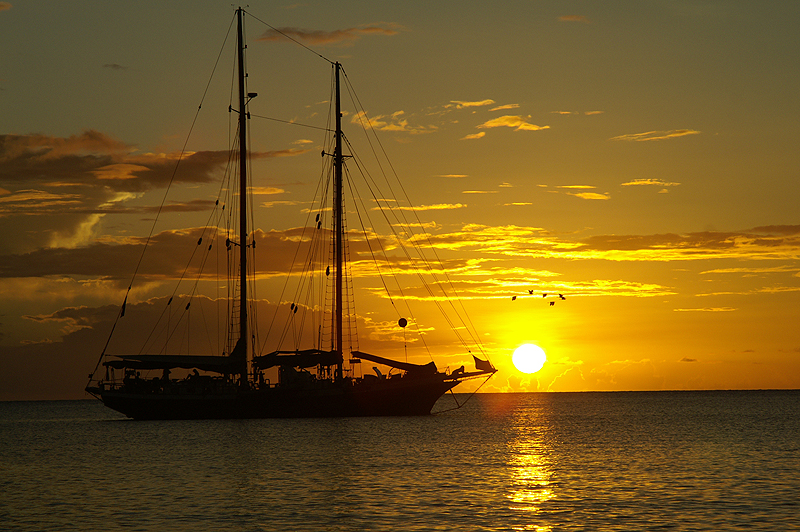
312,382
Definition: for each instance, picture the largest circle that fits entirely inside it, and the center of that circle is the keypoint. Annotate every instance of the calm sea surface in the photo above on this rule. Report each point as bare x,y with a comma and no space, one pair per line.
584,461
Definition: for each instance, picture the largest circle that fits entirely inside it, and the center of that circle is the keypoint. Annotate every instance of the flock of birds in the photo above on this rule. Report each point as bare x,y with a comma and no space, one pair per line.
544,295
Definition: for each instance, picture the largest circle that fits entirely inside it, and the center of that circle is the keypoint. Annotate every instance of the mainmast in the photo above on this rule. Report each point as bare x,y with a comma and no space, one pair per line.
242,343
338,209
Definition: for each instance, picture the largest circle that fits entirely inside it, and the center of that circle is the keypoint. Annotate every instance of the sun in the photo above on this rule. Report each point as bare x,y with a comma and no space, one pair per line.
529,358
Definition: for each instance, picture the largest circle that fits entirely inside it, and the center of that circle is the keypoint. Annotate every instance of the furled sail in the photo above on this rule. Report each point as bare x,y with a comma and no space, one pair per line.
306,358
430,367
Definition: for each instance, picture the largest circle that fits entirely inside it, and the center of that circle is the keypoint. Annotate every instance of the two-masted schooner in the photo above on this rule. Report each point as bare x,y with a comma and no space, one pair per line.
311,382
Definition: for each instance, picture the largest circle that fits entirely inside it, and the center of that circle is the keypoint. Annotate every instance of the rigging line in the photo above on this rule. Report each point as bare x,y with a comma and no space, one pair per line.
276,30
290,122
471,330
348,266
369,245
185,270
465,400
293,262
166,192
416,270
321,193
408,256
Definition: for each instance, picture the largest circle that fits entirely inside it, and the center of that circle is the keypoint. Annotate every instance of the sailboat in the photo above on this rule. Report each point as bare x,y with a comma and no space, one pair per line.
312,381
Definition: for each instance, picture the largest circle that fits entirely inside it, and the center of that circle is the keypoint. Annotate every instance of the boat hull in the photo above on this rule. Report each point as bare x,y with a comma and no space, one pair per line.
390,397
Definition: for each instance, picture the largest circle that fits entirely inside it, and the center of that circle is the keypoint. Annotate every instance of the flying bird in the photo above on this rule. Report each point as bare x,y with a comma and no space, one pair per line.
513,298
562,297
530,291
544,295
552,303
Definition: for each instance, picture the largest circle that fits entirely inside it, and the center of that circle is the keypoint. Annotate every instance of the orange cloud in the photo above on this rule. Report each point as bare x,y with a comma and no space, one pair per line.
705,309
394,122
656,135
474,136
436,207
345,36
589,195
506,106
517,122
656,182
463,105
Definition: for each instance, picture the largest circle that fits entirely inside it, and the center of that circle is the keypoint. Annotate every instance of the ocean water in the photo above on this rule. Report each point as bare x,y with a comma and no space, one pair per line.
544,462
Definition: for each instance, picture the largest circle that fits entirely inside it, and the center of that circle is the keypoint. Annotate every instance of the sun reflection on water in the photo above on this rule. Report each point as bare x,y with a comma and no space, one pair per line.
531,471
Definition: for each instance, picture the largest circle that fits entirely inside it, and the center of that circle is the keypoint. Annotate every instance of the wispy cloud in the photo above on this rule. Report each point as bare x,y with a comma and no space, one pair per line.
266,190
646,182
656,135
396,122
504,107
763,269
114,66
573,18
5,6
517,122
705,309
589,195
436,207
479,192
473,136
463,105
321,37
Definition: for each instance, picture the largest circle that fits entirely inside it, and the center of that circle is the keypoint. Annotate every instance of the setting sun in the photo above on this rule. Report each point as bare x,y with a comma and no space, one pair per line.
529,358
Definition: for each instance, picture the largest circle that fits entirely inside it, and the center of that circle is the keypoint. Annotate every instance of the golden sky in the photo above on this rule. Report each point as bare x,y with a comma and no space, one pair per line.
639,158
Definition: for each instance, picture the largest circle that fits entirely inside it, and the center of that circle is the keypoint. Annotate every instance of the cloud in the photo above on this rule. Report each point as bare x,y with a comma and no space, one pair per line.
687,359
656,182
779,229
573,18
266,190
589,195
504,107
395,122
517,122
436,207
576,186
63,186
479,192
656,135
5,6
464,105
452,175
693,246
345,36
591,113
114,66
474,136
705,309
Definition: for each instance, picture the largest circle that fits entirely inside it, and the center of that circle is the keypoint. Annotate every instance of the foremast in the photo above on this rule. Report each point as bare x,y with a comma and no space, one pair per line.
240,350
339,228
